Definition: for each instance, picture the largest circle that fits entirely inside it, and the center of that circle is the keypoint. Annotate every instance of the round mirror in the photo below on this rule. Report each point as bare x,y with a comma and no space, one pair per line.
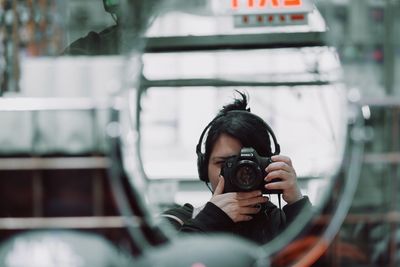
196,59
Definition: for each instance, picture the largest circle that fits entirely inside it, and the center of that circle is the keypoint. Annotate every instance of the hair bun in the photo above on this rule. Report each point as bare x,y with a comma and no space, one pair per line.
238,104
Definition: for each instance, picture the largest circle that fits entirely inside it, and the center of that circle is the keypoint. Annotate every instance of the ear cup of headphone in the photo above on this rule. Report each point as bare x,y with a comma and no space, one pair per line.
202,168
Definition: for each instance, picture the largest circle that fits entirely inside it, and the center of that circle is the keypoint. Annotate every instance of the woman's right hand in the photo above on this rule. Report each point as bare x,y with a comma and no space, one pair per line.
237,205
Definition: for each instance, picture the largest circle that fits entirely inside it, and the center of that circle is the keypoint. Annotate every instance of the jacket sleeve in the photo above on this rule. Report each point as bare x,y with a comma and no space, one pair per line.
210,219
293,210
178,215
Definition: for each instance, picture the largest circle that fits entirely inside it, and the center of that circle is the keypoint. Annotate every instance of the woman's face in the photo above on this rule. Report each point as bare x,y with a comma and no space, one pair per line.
225,146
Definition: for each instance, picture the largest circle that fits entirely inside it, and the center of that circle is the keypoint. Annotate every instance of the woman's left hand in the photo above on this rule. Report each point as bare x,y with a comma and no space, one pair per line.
282,168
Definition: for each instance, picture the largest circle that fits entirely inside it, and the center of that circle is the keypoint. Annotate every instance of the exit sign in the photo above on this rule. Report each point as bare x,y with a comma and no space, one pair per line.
268,13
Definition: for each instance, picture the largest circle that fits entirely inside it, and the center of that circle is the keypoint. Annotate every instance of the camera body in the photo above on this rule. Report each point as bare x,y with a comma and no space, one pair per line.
246,172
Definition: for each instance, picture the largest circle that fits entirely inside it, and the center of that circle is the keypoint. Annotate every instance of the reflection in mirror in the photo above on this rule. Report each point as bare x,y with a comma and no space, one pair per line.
57,112
305,103
46,91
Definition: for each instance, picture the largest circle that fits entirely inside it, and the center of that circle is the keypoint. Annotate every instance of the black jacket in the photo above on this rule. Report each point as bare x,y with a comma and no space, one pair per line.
264,226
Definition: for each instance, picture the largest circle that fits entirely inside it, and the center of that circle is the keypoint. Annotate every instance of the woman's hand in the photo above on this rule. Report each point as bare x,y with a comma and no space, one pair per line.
237,205
281,168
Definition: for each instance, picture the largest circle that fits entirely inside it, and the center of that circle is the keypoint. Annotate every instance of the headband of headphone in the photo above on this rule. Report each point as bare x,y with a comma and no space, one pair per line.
202,167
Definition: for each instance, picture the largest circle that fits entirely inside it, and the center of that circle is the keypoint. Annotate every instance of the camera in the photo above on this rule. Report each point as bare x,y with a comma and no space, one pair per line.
246,172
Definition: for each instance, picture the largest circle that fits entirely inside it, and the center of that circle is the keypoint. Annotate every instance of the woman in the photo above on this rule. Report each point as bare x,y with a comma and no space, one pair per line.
249,214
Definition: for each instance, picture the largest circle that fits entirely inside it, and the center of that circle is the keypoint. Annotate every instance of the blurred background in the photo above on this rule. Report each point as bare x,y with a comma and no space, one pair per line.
301,63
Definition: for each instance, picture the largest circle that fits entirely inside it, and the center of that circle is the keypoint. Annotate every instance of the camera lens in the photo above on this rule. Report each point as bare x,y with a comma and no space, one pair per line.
246,177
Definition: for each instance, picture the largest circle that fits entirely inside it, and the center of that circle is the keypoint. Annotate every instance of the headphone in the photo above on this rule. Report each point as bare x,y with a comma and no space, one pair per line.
202,167
111,6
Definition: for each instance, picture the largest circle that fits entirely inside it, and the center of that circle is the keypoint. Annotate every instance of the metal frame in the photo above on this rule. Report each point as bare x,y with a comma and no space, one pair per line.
219,83
242,41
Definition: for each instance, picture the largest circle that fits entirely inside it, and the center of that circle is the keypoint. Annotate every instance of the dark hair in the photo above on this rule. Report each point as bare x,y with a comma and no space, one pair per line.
250,130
